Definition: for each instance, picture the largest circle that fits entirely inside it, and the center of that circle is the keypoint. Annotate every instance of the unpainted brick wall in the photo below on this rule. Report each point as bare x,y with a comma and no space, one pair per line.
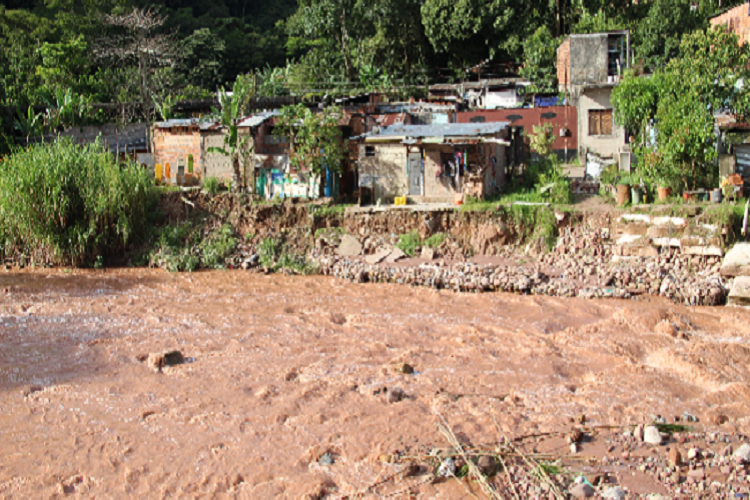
736,20
174,145
563,63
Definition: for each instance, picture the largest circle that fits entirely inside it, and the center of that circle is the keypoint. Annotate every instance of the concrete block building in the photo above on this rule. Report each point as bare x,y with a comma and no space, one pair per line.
434,163
588,68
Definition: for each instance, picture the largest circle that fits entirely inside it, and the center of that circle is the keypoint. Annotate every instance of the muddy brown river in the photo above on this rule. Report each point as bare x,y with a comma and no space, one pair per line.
280,370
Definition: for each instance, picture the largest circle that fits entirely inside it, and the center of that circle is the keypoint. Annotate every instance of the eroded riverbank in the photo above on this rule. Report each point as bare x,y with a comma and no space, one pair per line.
284,369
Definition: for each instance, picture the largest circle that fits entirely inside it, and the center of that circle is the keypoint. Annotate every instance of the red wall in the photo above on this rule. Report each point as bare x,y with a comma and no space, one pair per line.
528,117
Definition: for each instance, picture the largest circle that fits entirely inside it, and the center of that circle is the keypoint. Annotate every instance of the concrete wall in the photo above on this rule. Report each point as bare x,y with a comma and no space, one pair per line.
495,175
385,172
605,146
110,133
736,20
558,116
434,185
588,59
216,164
172,146
490,182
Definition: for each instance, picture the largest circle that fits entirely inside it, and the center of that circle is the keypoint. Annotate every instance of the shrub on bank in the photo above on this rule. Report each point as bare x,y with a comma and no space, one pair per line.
70,204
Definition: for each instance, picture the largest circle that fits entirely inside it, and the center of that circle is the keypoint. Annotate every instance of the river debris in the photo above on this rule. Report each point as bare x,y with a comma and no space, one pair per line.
157,361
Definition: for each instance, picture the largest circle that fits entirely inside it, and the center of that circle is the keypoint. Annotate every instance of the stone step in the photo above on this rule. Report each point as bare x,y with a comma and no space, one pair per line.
737,261
739,295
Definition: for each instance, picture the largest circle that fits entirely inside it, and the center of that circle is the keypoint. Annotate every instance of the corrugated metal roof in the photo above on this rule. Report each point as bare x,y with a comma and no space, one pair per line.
186,122
490,82
441,130
416,107
258,118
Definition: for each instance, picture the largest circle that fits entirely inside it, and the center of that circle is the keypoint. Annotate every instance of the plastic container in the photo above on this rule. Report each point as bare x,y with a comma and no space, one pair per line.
716,196
635,194
623,194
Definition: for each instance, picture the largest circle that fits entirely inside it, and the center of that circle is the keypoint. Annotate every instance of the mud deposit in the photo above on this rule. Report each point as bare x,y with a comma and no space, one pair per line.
280,371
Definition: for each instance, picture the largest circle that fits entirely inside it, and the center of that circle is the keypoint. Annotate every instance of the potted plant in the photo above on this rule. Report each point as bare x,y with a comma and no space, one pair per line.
623,191
663,189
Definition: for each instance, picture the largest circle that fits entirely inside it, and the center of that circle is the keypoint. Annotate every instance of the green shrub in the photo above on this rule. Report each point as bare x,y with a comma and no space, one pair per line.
534,222
330,232
330,211
218,246
409,242
71,204
435,240
295,263
173,248
269,251
211,185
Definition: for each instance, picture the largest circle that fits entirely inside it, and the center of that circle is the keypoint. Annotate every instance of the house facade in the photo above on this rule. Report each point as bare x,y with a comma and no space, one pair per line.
588,69
434,163
736,20
564,120
178,157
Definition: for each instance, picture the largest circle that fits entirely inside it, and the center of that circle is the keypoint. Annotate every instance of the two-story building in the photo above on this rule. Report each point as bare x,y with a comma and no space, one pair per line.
588,69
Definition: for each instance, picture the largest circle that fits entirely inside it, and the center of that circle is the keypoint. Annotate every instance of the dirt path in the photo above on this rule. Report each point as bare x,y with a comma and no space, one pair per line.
282,370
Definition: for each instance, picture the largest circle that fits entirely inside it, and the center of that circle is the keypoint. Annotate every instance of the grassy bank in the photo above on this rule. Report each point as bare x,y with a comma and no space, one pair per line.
67,204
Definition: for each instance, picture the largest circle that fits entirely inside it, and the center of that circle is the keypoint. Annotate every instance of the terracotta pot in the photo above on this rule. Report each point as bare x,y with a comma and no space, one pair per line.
688,196
623,194
664,193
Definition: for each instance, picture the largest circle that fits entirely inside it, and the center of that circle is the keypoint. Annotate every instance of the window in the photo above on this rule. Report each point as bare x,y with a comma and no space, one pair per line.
600,122
369,150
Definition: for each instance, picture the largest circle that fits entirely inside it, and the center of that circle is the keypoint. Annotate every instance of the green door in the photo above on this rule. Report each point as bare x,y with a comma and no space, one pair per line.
260,183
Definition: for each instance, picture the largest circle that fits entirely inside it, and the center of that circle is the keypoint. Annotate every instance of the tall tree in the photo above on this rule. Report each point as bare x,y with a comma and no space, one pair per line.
315,142
708,75
136,39
341,25
657,37
539,61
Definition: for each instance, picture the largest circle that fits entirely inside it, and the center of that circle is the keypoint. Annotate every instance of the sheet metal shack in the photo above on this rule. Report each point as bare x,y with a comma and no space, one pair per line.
433,163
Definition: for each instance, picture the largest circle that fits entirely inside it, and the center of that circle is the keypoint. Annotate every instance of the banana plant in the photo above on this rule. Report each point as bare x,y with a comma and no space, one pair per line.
29,124
236,146
165,107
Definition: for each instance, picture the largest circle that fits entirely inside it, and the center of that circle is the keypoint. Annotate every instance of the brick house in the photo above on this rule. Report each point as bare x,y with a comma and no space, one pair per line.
177,151
181,149
564,120
736,20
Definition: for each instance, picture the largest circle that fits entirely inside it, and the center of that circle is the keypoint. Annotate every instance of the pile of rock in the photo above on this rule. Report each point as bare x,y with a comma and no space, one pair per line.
584,262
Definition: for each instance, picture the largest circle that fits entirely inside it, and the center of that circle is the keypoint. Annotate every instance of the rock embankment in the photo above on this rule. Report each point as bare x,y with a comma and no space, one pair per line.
584,262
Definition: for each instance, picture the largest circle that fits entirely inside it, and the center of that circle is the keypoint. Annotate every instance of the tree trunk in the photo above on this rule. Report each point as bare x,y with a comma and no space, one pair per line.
345,45
237,173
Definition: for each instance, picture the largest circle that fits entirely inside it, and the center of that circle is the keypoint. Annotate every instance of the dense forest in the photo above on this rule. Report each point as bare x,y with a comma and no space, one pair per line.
70,53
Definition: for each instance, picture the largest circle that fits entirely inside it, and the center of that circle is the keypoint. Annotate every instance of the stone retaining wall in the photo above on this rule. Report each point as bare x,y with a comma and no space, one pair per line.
590,259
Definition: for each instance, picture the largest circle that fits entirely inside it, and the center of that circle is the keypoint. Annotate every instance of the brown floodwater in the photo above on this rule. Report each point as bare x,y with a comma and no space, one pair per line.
283,369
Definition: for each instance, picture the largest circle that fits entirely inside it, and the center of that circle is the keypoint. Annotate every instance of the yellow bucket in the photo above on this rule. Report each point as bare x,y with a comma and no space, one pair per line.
399,200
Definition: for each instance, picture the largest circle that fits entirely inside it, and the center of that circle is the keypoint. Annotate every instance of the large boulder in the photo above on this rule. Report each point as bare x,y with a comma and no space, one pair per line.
349,246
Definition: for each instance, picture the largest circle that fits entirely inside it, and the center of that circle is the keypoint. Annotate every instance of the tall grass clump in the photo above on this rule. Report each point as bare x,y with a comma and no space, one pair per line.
70,204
